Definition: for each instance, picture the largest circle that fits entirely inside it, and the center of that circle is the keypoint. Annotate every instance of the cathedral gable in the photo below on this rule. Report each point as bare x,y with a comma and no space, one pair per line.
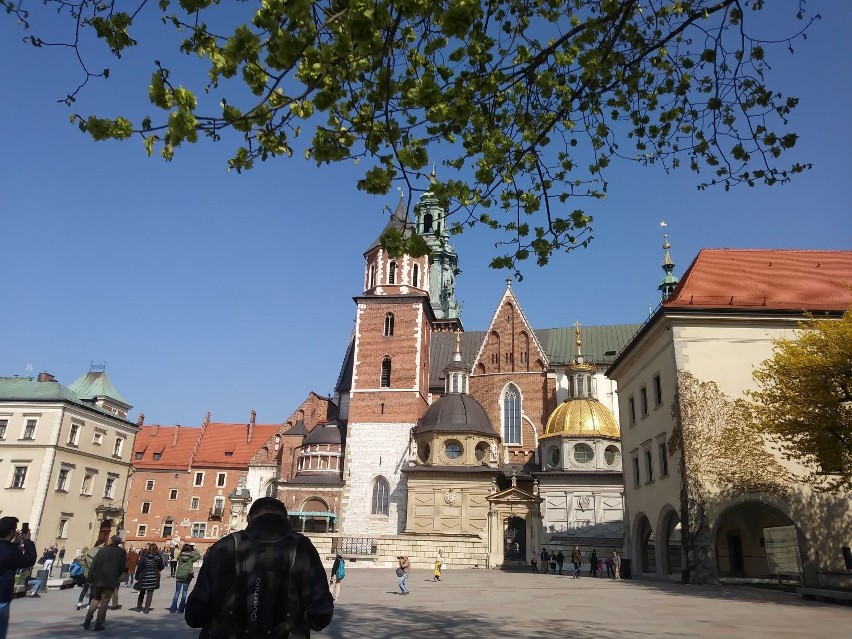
510,344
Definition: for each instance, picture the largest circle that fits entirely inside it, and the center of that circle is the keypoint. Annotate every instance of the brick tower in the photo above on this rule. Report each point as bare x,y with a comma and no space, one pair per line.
390,384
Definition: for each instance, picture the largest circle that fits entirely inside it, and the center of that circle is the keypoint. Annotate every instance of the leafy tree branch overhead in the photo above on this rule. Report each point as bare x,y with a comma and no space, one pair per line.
526,103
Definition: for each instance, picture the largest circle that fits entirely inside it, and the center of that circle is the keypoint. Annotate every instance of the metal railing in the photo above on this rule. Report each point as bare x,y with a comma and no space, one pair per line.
354,545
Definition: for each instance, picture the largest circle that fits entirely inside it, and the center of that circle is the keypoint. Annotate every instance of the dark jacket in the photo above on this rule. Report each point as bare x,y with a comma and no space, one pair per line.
148,570
108,565
11,559
218,571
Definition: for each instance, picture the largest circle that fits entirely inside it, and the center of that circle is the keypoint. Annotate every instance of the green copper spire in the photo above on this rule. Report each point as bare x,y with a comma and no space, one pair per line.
670,280
431,224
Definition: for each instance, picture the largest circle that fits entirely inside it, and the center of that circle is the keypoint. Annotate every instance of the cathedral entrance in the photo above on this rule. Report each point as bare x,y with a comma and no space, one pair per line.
741,540
516,539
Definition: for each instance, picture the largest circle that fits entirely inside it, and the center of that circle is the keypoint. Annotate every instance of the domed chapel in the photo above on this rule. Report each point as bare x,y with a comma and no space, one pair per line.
489,444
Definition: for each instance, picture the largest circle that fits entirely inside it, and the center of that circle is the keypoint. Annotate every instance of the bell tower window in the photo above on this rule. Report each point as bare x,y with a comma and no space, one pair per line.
415,276
386,372
392,273
389,325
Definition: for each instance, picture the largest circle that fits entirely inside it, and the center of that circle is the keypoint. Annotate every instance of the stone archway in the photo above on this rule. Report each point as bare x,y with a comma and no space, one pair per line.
670,548
644,552
739,541
516,539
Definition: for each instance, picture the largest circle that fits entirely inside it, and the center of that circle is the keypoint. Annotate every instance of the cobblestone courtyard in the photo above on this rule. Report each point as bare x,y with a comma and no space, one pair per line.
480,603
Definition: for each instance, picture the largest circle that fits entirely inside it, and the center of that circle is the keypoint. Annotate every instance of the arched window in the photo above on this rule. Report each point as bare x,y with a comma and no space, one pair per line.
392,273
381,492
386,372
512,415
415,276
388,324
427,223
272,488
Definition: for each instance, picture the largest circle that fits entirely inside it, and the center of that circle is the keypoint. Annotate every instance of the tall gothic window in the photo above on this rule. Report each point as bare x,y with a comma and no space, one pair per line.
388,324
386,372
415,277
392,273
381,492
512,415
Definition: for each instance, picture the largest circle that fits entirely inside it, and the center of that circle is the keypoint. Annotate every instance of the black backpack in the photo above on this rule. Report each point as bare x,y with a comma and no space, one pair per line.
262,601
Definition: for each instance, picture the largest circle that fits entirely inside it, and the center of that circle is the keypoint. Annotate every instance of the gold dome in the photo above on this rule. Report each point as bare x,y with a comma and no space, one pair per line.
582,417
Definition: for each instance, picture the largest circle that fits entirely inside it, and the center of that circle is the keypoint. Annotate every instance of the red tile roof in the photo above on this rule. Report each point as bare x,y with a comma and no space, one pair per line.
766,279
227,445
174,444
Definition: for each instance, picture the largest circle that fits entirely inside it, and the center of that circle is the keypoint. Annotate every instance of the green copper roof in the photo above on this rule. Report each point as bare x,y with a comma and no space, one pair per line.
27,390
96,384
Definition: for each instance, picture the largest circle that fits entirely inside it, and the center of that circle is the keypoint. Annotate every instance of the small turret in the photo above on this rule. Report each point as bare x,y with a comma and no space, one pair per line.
670,280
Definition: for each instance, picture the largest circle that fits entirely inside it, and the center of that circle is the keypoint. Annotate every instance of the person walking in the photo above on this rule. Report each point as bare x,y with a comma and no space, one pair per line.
77,572
132,562
184,574
616,564
560,560
86,558
337,572
577,560
545,556
50,559
104,575
250,561
608,562
593,563
148,577
16,551
534,562
403,572
173,560
439,561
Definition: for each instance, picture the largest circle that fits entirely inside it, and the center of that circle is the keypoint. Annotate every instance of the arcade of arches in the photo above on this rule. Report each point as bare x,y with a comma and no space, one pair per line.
739,546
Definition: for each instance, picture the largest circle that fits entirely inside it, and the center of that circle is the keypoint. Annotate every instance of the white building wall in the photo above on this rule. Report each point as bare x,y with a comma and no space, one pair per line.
605,390
373,450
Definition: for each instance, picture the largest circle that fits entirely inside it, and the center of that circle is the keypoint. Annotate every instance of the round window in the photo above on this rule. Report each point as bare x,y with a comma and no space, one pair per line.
424,451
481,451
611,455
555,456
583,453
453,450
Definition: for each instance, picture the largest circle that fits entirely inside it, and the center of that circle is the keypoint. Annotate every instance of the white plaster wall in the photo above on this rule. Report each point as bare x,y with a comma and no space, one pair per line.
582,508
372,450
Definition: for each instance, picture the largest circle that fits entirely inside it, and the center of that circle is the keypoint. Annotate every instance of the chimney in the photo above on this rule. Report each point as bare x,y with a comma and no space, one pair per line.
206,418
252,416
140,420
46,377
175,436
154,430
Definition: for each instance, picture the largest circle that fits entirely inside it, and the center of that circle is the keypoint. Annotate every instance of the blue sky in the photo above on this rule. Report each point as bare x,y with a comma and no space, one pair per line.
207,290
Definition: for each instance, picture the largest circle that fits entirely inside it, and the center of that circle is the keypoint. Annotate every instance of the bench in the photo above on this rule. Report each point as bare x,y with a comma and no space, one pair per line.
60,584
824,594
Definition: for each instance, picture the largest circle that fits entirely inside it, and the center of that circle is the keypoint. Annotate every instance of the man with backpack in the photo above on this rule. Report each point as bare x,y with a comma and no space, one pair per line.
265,581
338,572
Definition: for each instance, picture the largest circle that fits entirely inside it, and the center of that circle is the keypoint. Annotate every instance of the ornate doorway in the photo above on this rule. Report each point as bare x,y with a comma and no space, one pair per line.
516,539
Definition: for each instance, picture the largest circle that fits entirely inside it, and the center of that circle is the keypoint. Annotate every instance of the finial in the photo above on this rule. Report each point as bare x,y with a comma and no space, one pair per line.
458,340
433,175
669,279
508,282
401,193
579,341
514,478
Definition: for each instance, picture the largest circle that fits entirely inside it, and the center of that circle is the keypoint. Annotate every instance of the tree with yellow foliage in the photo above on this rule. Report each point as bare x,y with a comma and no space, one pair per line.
804,400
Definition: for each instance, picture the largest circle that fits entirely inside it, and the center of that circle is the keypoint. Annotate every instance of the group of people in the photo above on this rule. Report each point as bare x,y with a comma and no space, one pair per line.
556,560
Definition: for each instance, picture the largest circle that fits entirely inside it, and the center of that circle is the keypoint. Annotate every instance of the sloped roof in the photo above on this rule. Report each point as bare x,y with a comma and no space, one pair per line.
25,389
219,439
331,433
96,384
559,344
766,279
174,444
298,428
400,221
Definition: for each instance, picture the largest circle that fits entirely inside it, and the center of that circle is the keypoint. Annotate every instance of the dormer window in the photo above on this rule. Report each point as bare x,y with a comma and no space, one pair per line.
392,273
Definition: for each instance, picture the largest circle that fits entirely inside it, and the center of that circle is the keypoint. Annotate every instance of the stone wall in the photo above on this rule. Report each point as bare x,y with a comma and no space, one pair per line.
460,551
374,450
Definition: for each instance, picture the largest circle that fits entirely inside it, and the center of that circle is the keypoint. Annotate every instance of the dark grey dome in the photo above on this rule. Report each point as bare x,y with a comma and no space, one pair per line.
325,434
456,413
